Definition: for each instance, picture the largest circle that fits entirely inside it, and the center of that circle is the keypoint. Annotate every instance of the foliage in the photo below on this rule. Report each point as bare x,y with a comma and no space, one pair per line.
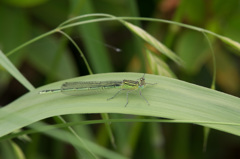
121,36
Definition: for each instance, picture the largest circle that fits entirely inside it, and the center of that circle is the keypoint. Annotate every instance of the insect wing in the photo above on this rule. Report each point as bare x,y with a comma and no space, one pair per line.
88,87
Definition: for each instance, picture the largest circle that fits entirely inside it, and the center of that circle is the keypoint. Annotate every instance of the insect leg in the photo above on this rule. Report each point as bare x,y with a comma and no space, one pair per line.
127,99
140,92
127,96
115,94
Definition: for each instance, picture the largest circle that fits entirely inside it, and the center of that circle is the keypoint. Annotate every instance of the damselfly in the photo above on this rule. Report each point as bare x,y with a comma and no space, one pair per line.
91,87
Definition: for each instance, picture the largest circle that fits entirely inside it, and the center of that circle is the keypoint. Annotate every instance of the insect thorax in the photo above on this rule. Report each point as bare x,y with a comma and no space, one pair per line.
130,85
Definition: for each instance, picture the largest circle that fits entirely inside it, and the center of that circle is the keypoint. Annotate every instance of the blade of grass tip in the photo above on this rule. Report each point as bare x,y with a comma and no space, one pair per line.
154,42
6,63
226,40
79,50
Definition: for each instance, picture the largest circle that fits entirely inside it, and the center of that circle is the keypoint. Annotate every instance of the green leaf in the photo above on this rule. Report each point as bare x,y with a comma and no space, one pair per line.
169,98
154,42
14,71
158,66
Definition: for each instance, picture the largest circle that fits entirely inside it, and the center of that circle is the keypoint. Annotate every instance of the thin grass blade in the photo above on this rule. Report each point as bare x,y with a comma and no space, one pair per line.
4,61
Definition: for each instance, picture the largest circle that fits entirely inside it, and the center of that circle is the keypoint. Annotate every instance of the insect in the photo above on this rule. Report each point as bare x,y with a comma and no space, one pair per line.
91,87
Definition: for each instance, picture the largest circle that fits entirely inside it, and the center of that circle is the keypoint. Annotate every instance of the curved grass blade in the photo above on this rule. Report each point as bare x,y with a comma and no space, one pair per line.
158,66
154,42
4,61
170,98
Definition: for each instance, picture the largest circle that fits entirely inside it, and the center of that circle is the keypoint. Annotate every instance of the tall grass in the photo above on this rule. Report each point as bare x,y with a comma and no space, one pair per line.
175,100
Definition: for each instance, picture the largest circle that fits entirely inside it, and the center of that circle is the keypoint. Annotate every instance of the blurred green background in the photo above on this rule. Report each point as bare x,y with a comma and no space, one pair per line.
54,58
